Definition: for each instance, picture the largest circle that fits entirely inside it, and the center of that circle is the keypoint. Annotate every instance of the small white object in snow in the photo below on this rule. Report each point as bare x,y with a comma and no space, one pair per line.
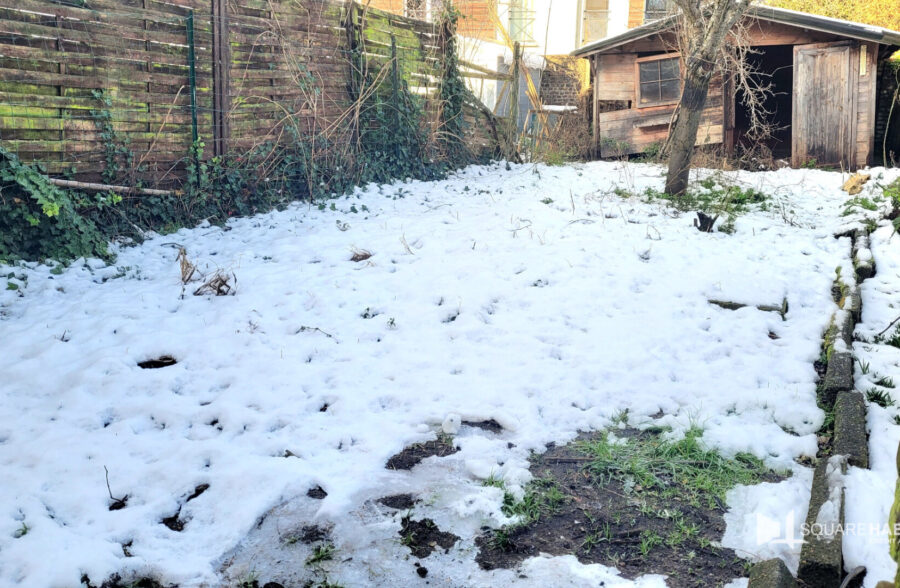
451,424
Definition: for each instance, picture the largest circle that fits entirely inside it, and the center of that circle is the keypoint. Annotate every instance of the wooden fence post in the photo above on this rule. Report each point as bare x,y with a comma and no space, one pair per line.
221,79
192,75
514,90
357,68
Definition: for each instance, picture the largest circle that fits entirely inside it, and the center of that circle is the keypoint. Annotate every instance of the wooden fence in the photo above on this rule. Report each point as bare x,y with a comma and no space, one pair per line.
91,85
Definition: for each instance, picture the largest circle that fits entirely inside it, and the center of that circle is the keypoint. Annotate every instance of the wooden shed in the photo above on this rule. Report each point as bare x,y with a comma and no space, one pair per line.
823,72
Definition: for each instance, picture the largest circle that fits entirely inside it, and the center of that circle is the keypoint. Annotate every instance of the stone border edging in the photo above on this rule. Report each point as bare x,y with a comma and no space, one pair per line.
821,556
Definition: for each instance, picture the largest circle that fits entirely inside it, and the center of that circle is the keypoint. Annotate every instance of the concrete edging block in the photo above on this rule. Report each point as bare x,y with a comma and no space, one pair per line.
850,437
771,573
821,557
838,376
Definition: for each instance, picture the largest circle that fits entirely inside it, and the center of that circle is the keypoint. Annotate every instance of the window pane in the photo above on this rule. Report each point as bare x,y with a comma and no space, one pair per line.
669,90
653,5
668,69
650,92
649,71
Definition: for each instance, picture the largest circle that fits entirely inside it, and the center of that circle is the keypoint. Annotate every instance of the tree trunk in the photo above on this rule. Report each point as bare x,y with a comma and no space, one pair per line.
684,132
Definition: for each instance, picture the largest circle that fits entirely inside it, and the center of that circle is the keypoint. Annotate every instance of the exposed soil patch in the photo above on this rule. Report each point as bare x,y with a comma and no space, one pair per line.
412,455
398,501
173,522
423,537
160,362
489,425
312,534
118,503
638,517
198,491
116,581
316,493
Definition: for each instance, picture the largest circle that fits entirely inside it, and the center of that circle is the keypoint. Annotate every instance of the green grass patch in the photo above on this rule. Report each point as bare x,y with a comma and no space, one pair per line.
542,497
880,397
323,552
682,468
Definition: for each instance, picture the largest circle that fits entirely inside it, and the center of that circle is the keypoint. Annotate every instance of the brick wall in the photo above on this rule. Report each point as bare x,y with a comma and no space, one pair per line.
560,82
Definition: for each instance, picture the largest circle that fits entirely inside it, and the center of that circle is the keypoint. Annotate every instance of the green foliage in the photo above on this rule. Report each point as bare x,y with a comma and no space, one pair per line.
652,153
21,531
395,145
885,382
893,339
880,397
453,91
615,147
392,138
39,220
714,196
542,497
892,192
116,153
881,13
649,540
859,202
323,552
680,468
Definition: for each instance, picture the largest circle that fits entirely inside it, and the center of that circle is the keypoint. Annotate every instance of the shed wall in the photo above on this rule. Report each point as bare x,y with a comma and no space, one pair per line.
633,130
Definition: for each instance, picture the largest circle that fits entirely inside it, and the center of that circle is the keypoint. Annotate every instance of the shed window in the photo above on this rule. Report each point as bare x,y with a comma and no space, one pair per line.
659,81
656,9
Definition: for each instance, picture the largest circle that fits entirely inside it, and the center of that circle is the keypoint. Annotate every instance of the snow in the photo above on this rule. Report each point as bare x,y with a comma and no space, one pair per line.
532,295
870,493
558,108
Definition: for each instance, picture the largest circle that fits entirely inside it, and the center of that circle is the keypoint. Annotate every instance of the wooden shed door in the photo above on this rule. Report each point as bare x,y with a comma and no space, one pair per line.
823,126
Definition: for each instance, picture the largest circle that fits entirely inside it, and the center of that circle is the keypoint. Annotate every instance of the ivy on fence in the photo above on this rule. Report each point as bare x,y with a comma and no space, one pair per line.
389,131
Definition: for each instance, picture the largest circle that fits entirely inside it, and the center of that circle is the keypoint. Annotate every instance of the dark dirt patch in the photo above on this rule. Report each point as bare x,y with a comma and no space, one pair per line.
173,522
198,491
602,519
821,367
489,425
398,501
316,493
116,581
423,537
160,362
118,503
313,534
412,455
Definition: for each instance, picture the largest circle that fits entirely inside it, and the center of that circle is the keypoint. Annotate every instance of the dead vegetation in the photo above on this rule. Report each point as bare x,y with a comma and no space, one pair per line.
220,283
360,254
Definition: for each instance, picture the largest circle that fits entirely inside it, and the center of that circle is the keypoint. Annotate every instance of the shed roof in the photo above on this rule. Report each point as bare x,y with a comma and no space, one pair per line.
846,28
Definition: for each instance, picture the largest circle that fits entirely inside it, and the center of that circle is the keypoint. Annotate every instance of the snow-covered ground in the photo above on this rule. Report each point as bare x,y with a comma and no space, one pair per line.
534,296
870,493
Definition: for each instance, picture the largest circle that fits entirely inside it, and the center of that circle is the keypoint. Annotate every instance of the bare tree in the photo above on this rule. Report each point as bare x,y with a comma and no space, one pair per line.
704,28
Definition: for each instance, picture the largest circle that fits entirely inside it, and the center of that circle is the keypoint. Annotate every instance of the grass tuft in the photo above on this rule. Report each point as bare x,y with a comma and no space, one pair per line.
879,397
323,552
684,467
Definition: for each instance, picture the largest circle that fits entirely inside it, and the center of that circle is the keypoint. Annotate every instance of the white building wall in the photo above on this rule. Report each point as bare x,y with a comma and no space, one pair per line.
618,17
555,26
